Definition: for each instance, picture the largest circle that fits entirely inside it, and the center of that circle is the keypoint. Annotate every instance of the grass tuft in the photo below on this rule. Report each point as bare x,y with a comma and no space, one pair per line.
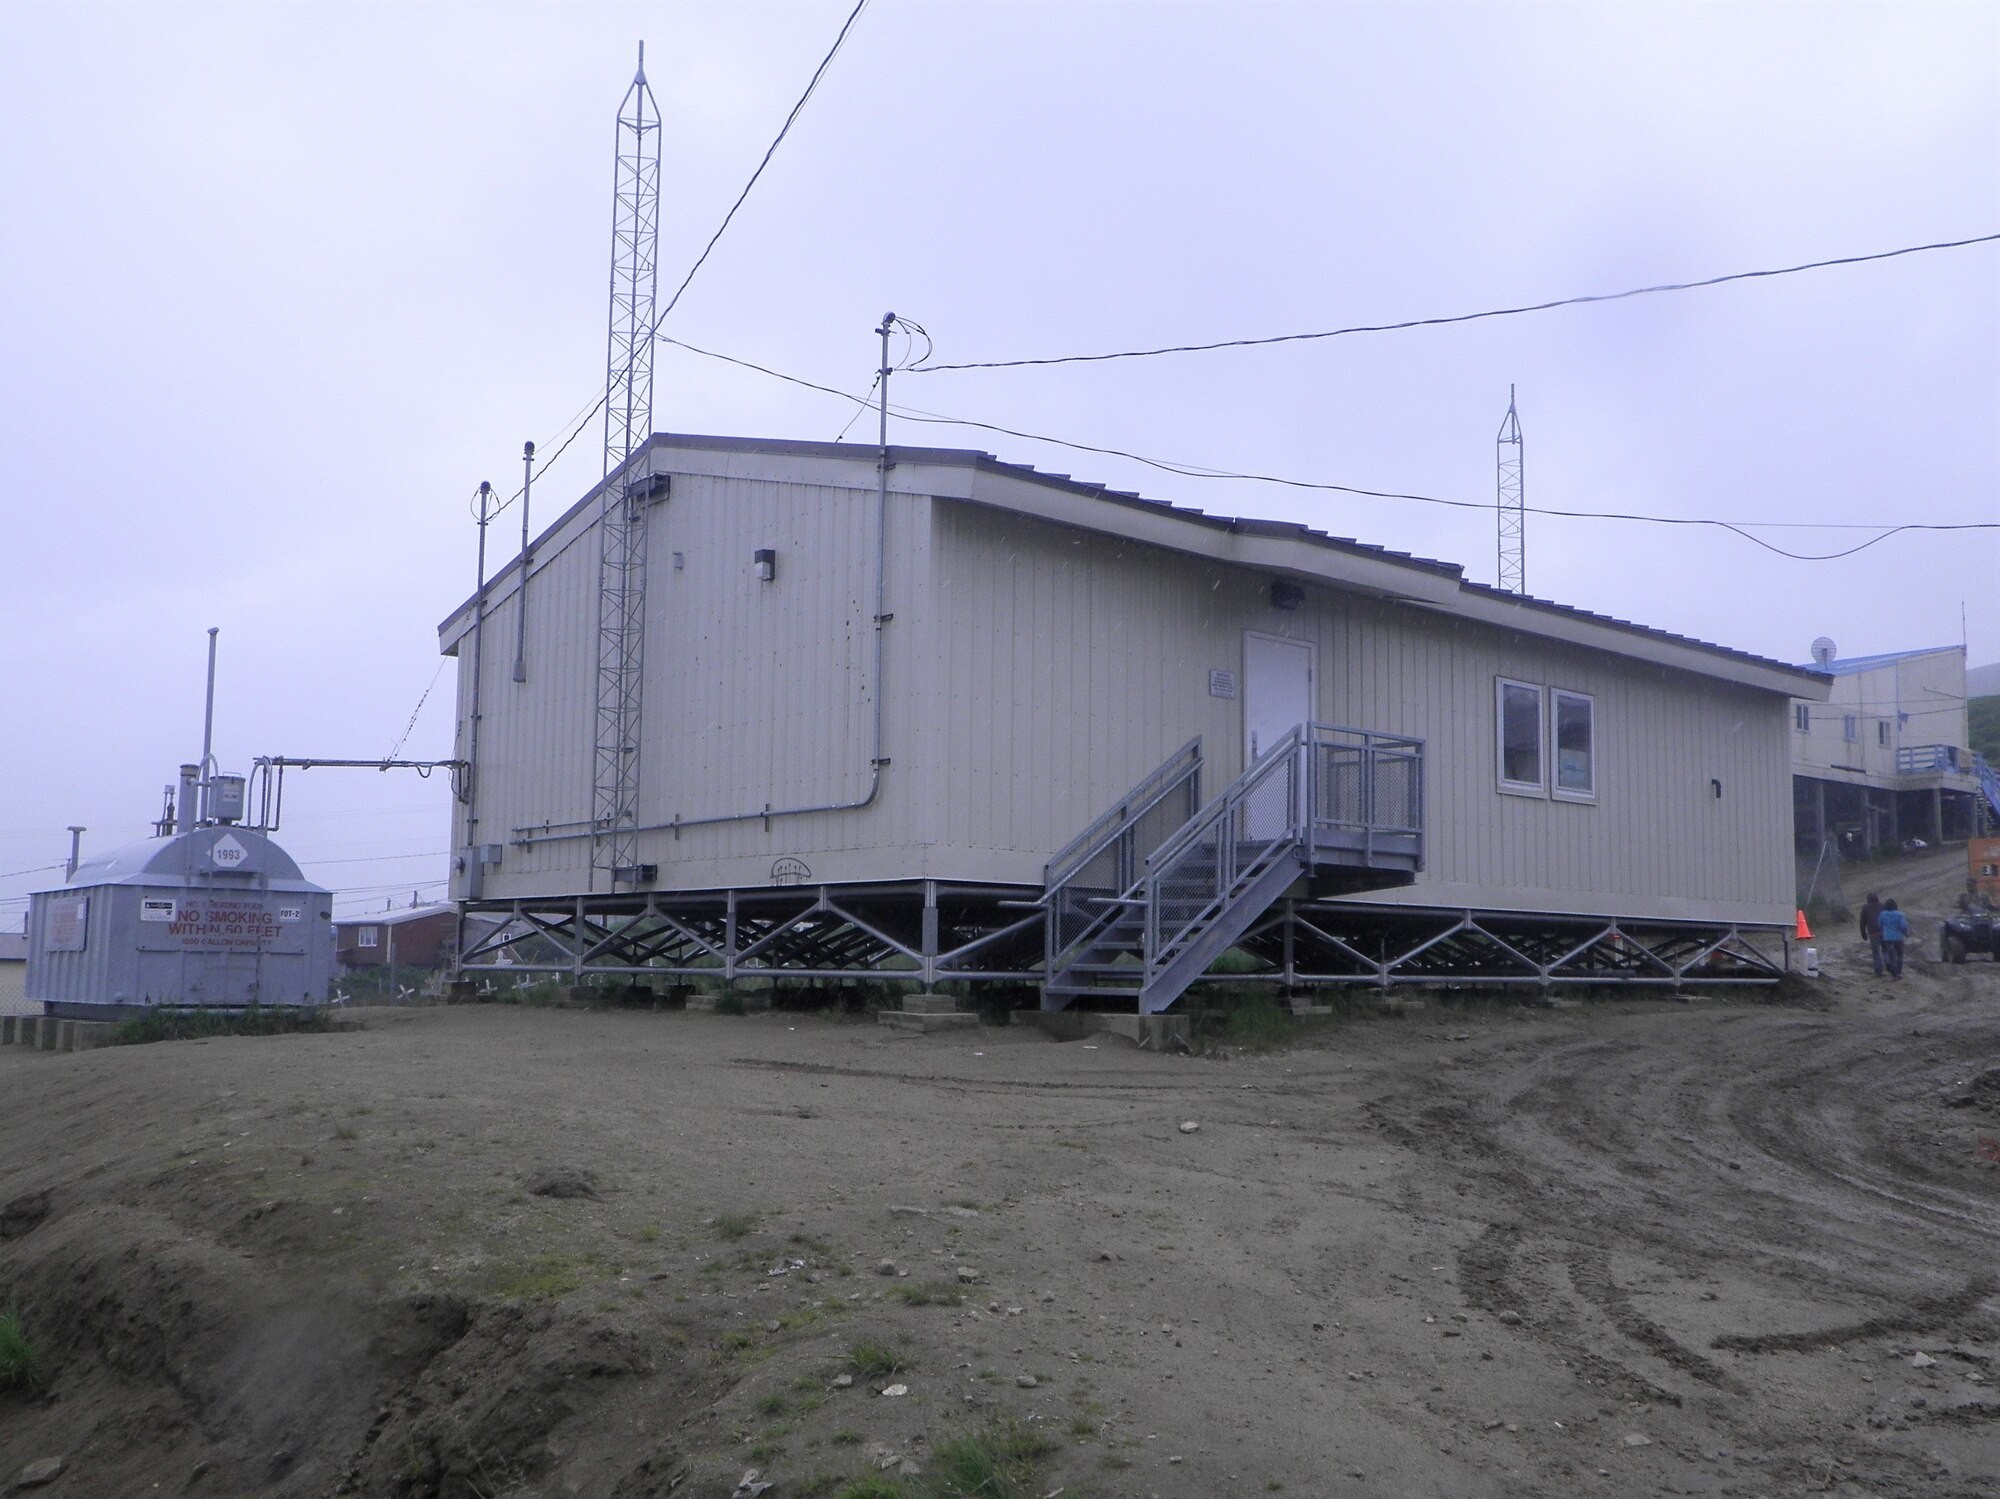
735,1225
547,1277
254,1020
927,1293
1001,1462
20,1366
875,1359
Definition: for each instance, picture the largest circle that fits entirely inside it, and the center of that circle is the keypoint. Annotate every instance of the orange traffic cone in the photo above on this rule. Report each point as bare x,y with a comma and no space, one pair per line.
1805,932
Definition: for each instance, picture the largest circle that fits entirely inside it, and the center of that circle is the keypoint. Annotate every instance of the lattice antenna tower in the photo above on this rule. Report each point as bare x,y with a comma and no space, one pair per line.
628,422
1512,503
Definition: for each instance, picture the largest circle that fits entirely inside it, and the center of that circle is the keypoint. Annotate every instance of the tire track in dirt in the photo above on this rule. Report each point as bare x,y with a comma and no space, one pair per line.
1920,1317
1590,1274
1491,1281
1769,1146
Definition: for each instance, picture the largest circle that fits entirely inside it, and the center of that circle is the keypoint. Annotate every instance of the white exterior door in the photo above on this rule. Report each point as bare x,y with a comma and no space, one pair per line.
1277,698
1277,690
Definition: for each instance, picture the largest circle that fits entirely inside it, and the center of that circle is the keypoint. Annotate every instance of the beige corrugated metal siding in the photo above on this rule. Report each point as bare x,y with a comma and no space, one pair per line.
756,694
1112,645
1034,671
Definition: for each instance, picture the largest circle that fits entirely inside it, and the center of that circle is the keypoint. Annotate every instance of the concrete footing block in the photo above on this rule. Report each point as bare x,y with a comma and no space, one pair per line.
46,1033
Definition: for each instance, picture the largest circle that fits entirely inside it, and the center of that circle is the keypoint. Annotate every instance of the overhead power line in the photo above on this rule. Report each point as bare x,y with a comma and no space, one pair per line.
769,151
1198,471
16,874
1462,317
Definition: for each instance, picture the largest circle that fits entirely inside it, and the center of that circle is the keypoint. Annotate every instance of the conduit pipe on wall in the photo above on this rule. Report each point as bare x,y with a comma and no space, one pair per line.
876,760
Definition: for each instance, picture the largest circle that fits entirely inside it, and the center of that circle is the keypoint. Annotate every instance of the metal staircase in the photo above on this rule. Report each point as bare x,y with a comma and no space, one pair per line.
1144,900
1989,786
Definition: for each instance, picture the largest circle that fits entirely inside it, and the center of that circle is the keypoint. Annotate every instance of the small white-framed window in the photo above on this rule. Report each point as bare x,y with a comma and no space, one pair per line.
1850,727
1518,753
1802,716
1573,731
367,936
1882,733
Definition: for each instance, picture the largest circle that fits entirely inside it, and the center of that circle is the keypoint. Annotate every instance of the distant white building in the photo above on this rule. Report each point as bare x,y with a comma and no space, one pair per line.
1886,758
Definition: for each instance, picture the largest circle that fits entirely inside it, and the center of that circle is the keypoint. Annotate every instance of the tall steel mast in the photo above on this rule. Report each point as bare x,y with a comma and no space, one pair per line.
1512,503
628,422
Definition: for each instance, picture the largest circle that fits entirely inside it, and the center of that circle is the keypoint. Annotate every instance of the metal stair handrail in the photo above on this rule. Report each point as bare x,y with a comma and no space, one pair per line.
1156,785
1171,864
1364,788
1335,780
1989,782
1081,882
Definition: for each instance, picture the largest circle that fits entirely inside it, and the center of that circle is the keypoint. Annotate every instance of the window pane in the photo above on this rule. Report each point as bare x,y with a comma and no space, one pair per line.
1575,767
1521,734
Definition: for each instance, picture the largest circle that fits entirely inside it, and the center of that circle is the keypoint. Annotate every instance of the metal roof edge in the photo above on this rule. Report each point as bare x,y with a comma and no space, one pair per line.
1749,669
1428,580
1847,666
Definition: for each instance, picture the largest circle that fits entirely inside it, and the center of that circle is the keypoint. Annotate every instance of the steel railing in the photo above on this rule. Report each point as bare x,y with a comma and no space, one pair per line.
1081,883
1989,783
1322,791
1917,759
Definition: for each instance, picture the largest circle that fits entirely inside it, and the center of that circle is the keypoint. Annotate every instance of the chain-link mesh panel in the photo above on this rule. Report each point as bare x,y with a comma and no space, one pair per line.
1398,791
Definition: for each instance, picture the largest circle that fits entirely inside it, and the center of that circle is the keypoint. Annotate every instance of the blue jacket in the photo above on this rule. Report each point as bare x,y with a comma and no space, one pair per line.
1895,926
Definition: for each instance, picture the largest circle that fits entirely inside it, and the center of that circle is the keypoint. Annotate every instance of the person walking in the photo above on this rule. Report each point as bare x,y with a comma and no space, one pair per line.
1894,927
1871,929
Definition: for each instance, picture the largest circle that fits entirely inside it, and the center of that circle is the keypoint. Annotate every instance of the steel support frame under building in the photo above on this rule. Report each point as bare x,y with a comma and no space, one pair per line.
926,932
1309,944
921,932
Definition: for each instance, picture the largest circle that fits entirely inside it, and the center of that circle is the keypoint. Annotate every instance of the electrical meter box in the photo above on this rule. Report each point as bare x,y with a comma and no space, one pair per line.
225,798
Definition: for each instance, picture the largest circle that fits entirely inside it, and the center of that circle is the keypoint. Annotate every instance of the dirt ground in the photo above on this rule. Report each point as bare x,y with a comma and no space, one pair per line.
1628,1248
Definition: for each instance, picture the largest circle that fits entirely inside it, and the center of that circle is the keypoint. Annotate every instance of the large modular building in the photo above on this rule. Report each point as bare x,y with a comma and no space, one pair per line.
971,720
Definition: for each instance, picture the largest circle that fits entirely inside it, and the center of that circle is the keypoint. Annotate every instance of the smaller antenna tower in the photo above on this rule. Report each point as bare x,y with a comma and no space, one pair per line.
1511,505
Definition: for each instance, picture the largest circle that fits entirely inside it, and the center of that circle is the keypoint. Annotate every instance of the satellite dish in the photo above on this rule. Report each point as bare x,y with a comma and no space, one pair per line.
1823,651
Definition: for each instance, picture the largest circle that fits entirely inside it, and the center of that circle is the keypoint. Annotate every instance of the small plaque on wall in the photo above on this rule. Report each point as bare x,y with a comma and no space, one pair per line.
1221,683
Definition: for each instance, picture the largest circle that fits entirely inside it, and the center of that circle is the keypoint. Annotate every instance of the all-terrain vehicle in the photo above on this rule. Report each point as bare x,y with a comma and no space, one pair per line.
1962,936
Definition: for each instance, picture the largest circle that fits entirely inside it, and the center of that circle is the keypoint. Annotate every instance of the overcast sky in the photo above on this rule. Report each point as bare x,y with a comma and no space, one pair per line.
281,283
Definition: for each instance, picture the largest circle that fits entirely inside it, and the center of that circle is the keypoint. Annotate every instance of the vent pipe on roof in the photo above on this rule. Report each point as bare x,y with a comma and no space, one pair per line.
184,805
206,813
527,561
